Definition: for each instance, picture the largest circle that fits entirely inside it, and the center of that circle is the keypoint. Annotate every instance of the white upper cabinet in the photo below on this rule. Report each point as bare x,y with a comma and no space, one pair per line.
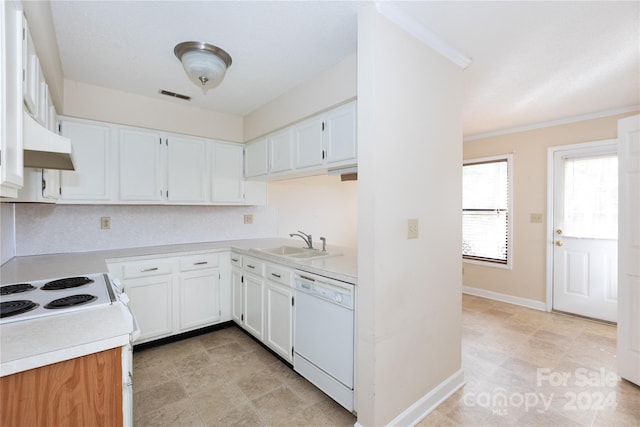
11,170
226,173
340,134
140,160
256,158
186,170
31,73
311,147
128,165
309,143
281,150
91,180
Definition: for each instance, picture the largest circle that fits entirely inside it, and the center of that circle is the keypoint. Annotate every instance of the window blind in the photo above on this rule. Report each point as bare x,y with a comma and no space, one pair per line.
485,211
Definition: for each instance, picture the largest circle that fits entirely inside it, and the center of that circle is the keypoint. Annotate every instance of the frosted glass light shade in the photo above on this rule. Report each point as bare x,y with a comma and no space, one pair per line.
205,64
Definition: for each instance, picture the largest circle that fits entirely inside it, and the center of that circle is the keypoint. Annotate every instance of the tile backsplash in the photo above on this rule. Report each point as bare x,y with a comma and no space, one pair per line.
44,229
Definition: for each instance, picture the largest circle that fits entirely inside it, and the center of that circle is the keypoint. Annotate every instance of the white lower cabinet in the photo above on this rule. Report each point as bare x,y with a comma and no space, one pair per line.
199,298
279,311
262,299
175,294
151,303
254,297
237,292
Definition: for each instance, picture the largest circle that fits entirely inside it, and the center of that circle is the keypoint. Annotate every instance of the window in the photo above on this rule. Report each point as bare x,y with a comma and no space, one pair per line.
486,210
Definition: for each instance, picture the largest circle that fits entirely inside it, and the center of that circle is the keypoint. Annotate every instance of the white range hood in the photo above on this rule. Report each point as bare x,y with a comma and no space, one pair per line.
43,148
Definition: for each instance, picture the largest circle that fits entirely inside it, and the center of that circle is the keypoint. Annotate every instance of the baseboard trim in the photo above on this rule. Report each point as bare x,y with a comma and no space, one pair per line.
524,302
430,401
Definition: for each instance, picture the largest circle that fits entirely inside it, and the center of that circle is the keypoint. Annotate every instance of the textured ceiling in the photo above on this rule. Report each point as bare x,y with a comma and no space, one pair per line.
532,61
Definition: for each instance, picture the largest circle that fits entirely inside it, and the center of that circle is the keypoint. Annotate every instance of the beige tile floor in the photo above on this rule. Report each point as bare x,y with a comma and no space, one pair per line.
224,378
563,366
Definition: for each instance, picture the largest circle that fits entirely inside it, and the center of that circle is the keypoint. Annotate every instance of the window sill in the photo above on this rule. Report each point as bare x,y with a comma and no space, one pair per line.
506,266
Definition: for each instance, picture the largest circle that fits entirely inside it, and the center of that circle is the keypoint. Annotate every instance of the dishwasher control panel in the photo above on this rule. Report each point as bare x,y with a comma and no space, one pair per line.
325,288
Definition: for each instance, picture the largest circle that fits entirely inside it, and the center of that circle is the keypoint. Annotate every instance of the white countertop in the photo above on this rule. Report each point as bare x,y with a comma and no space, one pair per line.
31,344
39,267
38,342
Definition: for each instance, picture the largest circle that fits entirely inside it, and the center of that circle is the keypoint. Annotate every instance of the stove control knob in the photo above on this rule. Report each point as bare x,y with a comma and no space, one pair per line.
338,298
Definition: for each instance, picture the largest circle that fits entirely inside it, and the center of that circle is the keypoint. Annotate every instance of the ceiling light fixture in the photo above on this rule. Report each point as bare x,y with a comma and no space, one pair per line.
204,63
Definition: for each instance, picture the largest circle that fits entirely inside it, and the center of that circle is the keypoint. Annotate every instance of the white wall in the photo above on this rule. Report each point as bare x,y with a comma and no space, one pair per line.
527,278
7,232
410,152
318,205
97,103
330,88
43,229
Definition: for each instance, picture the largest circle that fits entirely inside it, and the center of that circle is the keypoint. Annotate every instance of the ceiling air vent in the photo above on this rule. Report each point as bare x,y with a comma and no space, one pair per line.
175,95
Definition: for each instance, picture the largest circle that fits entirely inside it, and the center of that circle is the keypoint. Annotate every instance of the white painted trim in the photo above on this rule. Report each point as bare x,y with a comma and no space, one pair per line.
430,401
510,299
412,26
597,147
551,123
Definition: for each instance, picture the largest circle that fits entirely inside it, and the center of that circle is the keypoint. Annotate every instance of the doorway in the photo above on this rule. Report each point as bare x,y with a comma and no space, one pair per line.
583,230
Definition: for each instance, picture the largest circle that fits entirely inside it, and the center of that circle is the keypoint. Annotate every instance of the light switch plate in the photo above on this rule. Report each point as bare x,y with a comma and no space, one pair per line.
536,218
248,218
412,228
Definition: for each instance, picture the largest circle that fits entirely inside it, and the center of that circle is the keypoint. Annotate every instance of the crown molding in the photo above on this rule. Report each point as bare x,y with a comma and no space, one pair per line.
551,123
422,33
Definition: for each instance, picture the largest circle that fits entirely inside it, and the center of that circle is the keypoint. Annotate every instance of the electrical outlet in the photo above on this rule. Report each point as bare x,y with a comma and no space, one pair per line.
412,228
105,223
248,218
535,217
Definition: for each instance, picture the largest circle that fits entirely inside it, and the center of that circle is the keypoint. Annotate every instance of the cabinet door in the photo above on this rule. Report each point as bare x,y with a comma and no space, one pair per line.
11,168
199,298
340,134
237,302
151,299
253,305
281,150
92,160
256,160
51,184
308,143
279,315
31,73
140,165
226,173
186,170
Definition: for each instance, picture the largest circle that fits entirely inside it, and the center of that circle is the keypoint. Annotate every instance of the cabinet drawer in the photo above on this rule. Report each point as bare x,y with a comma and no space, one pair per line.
279,274
198,262
253,265
236,260
146,268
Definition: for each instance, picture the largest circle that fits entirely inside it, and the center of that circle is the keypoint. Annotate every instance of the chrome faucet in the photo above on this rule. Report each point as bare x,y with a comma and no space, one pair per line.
306,237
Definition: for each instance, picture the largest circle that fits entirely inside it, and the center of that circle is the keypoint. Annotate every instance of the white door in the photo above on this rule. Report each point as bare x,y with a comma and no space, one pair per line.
629,250
585,231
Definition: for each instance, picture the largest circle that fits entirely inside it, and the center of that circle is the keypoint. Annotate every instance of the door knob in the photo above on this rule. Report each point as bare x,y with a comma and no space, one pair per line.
559,243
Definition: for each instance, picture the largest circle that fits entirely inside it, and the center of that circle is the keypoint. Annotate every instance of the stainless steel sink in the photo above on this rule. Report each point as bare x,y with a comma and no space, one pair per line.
295,252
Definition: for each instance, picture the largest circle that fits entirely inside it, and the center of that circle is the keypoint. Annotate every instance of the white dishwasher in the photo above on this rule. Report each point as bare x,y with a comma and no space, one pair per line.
324,335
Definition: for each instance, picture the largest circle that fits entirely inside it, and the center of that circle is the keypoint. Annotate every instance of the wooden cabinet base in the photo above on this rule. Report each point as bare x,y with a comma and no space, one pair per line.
86,391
